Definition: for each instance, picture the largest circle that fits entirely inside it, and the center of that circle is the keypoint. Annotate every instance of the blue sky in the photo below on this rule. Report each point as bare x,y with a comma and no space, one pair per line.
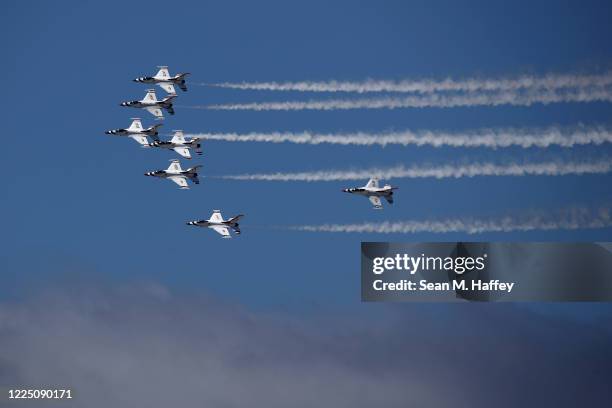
76,205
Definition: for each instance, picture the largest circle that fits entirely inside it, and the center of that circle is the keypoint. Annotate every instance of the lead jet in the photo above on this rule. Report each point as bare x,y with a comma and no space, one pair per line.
217,223
151,104
175,173
137,132
164,80
374,192
179,144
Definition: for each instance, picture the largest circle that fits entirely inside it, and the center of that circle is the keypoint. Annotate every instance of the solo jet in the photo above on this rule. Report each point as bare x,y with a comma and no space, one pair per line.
217,223
177,174
137,132
374,192
164,80
154,106
179,144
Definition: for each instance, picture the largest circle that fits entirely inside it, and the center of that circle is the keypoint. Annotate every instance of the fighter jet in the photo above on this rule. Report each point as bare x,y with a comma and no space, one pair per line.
177,174
150,103
217,223
179,144
137,132
164,80
373,192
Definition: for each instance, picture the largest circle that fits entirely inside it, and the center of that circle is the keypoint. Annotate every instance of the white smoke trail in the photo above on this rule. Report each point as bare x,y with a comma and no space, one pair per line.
548,82
566,220
429,101
491,138
557,168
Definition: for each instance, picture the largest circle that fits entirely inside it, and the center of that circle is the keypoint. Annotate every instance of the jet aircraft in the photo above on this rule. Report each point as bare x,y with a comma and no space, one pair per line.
165,80
137,132
179,144
217,223
175,173
374,192
151,104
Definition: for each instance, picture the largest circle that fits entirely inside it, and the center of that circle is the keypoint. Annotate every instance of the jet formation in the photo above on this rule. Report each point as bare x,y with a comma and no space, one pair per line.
149,138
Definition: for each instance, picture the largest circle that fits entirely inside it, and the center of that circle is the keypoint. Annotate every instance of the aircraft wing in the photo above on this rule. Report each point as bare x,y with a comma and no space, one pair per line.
180,180
155,111
140,139
183,151
375,200
373,183
167,87
216,217
222,230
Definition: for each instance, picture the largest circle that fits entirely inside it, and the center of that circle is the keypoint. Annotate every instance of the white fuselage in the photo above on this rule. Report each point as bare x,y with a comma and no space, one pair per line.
157,80
370,191
144,104
167,173
128,132
169,145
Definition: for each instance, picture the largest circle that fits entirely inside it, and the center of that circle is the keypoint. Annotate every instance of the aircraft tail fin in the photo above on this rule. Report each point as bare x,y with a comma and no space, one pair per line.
194,169
153,131
167,103
180,81
170,97
234,220
192,173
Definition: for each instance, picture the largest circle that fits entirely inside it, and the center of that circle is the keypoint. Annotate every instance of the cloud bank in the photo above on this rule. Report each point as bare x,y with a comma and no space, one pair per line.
146,346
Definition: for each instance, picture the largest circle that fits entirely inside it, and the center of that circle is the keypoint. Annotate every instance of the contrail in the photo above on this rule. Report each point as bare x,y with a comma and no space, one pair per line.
490,138
429,101
566,220
548,82
556,168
